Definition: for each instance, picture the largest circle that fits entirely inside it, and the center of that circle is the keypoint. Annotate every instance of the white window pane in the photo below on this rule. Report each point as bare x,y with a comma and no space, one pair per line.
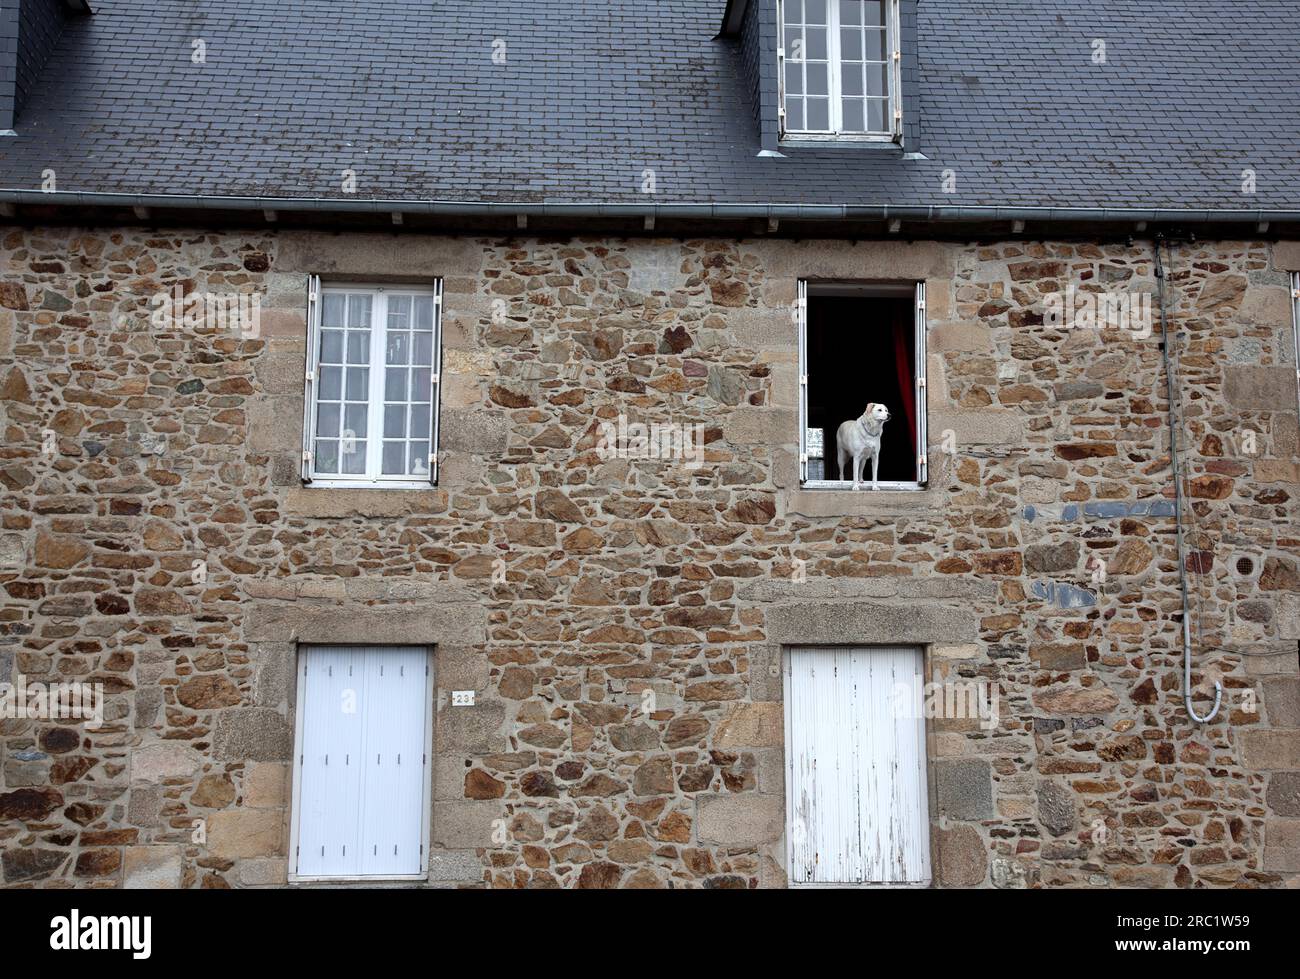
327,456
327,420
819,118
399,348
853,115
420,421
420,382
850,45
331,346
814,48
794,114
394,458
332,309
424,313
878,80
793,78
874,11
354,462
394,421
395,384
850,11
358,384
331,384
358,346
814,11
399,312
877,115
359,311
793,11
817,81
355,419
875,45
423,352
419,453
851,80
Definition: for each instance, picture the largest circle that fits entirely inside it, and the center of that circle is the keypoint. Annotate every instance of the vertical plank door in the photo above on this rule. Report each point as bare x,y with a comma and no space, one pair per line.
365,714
857,809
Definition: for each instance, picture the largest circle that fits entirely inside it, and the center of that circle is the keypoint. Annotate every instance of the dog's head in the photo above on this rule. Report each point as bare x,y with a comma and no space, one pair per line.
877,413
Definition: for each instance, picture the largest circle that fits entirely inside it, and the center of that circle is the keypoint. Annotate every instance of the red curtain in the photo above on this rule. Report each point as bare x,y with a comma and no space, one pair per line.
904,353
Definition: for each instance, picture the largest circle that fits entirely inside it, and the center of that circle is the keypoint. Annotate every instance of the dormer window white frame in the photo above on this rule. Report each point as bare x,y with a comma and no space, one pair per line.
839,70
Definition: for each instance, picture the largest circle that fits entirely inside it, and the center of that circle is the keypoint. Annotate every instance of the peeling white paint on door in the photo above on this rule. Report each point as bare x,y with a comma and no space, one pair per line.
856,799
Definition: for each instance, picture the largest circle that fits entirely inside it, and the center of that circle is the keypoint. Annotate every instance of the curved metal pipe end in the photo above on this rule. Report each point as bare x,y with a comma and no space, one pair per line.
1218,699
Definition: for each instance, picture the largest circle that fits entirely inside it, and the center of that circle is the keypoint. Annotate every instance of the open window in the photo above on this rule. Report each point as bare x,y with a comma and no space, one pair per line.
839,70
371,406
862,344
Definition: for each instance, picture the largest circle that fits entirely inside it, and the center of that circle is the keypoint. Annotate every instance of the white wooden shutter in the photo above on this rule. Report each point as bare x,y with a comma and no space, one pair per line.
436,393
361,794
895,36
857,809
801,323
309,386
921,399
780,70
1295,331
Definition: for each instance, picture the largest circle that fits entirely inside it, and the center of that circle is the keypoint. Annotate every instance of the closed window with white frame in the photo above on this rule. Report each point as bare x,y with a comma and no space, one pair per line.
840,69
862,345
364,742
371,408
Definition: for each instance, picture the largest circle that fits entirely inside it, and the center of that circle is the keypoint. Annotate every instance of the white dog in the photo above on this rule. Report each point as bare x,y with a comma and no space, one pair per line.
860,438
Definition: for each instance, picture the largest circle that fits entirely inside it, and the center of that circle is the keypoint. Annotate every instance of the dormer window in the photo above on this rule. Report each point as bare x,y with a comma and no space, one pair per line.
839,70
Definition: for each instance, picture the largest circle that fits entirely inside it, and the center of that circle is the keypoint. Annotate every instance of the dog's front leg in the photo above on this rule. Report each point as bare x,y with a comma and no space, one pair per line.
875,466
858,460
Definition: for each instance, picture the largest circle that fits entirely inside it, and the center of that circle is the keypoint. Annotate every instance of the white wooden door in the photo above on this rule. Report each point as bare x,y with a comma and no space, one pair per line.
361,787
856,799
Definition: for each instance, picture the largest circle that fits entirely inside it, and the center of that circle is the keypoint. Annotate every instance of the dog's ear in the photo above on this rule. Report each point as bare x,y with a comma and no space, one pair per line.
870,405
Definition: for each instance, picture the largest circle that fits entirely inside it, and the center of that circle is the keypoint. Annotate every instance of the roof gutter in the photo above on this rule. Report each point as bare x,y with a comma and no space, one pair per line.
799,212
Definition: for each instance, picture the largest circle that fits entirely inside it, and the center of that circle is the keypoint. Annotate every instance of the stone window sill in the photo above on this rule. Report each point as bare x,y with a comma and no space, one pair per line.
324,502
828,502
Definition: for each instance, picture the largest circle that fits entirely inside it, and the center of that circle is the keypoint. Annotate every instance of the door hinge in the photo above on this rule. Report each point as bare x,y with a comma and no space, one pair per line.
920,381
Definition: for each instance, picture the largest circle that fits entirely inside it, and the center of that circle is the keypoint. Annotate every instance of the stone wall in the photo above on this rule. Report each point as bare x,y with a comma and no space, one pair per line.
628,723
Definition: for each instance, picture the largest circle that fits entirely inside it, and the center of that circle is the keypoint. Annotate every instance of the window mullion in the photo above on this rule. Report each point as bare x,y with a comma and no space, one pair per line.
375,410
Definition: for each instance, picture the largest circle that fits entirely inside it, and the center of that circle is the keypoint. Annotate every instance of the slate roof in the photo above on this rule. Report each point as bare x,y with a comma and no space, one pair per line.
593,92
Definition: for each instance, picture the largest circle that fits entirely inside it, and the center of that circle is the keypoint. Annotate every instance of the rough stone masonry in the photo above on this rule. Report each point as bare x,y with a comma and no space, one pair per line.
622,575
